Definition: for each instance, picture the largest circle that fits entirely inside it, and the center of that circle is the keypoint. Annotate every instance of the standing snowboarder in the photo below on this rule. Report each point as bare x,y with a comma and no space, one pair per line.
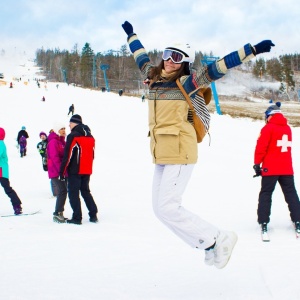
4,176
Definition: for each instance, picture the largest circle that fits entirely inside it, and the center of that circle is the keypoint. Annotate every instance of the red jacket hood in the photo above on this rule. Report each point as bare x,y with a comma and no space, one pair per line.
278,119
2,134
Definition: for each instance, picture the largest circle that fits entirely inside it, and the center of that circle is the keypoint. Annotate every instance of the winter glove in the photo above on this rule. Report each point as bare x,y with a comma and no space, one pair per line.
257,170
61,178
127,28
264,46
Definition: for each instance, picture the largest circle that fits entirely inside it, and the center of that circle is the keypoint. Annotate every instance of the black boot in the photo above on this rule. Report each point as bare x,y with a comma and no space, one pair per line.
74,221
18,209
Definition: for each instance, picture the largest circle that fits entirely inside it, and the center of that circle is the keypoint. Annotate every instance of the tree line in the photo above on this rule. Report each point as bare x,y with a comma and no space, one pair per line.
281,69
117,70
84,68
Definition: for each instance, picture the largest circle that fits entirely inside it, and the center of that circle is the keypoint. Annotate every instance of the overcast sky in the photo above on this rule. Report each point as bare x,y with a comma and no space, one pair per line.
211,25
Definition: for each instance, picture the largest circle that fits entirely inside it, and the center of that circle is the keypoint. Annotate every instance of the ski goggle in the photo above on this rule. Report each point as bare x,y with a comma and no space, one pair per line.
176,56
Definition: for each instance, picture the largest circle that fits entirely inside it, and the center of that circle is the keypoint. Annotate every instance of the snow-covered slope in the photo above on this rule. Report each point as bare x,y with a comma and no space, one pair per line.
129,255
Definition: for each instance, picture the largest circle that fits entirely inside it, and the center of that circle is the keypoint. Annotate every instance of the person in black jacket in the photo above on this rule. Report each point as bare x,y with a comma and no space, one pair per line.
71,109
77,164
22,143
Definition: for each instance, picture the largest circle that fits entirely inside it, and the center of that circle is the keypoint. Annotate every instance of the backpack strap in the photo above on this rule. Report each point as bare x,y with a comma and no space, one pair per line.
187,98
205,93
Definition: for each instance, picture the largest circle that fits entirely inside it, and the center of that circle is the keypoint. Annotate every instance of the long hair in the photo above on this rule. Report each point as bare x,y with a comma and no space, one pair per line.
155,73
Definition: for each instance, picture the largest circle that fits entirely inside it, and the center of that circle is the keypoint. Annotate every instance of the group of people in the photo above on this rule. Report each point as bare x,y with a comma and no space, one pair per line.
69,163
174,148
69,166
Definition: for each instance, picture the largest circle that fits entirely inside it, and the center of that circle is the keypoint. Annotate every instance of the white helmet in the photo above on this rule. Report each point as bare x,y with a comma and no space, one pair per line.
185,49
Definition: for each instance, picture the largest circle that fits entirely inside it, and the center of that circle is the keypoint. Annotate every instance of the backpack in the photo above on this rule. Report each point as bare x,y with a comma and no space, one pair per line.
23,141
201,124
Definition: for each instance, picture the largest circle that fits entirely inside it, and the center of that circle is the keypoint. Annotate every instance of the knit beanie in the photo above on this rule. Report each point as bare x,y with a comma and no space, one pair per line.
43,133
57,126
76,119
273,109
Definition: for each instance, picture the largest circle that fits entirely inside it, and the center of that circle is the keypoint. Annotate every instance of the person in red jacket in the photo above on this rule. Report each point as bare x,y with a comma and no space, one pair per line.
78,164
273,161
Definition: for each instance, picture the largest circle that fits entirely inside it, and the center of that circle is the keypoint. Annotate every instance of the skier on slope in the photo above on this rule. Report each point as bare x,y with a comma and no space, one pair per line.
4,176
173,139
71,110
273,161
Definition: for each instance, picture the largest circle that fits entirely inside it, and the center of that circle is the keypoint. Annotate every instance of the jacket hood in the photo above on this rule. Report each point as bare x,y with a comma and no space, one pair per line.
82,129
2,133
53,136
278,119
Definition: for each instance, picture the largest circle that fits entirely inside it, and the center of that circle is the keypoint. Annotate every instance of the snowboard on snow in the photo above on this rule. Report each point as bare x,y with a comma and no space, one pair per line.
23,214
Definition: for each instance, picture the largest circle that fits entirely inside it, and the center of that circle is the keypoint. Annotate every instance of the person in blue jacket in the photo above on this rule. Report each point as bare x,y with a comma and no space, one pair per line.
4,176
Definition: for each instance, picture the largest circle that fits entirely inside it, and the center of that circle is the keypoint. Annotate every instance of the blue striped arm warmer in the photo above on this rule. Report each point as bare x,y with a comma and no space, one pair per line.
138,51
219,68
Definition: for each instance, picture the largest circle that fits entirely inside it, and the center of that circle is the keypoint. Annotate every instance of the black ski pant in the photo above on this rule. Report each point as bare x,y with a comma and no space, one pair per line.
61,194
287,185
80,183
14,198
54,188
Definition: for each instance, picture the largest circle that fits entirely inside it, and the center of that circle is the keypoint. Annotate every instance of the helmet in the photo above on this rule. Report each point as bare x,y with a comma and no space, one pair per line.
185,49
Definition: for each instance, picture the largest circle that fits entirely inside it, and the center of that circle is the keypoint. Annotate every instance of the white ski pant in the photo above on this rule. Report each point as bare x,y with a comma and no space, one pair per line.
169,183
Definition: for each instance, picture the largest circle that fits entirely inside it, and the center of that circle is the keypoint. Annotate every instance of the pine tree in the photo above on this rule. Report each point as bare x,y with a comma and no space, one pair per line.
86,65
287,81
259,69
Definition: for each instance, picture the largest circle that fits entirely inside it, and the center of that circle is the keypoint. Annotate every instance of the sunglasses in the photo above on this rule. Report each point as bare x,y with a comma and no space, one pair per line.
176,56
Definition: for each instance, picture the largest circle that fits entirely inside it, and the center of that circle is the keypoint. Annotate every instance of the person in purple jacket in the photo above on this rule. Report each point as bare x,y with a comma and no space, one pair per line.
55,152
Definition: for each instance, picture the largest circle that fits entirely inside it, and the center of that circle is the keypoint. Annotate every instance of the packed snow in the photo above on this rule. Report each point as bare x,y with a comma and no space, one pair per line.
129,254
